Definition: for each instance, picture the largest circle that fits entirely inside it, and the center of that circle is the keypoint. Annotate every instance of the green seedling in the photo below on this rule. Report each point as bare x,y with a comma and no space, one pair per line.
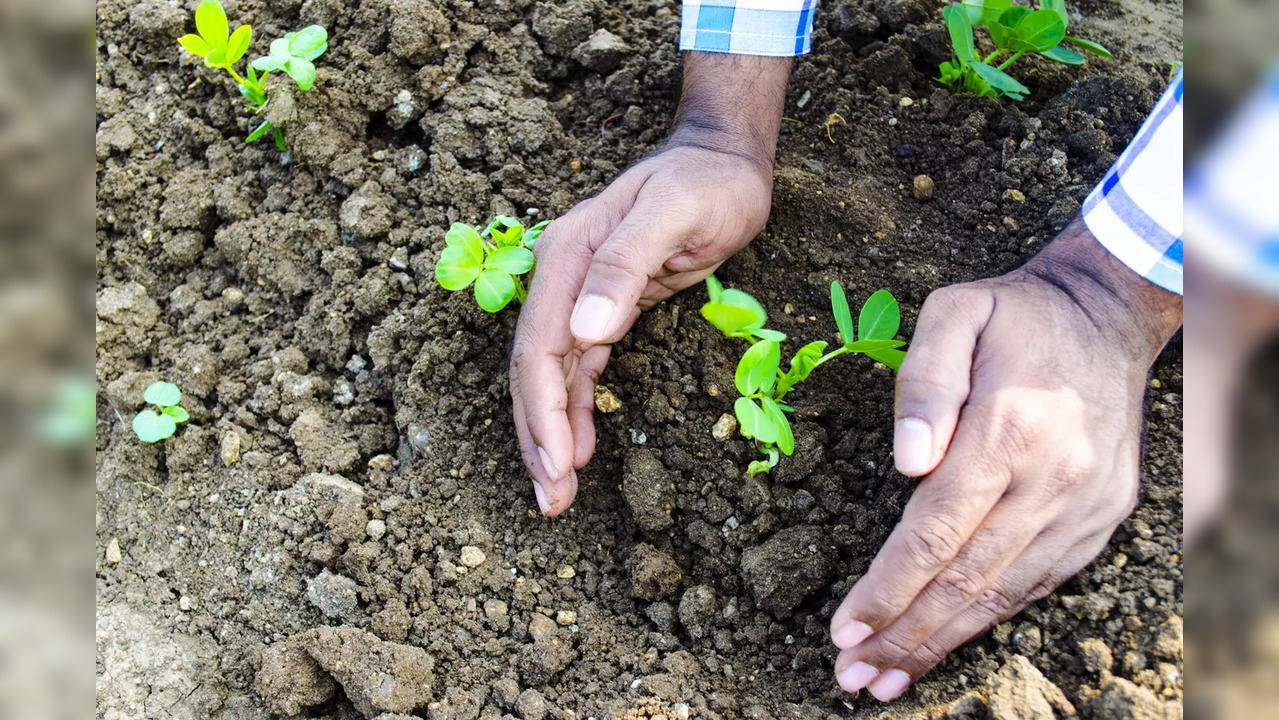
1015,31
760,380
293,54
494,259
151,426
72,418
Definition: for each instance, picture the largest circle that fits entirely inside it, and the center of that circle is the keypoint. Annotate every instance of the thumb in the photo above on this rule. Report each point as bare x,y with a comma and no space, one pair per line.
935,377
620,270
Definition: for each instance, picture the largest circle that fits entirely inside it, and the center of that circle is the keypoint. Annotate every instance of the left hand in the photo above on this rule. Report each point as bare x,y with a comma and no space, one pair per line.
1020,399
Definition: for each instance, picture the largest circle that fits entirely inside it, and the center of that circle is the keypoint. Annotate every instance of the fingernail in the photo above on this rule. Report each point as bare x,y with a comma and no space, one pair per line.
913,446
855,676
851,634
889,685
548,468
592,318
542,501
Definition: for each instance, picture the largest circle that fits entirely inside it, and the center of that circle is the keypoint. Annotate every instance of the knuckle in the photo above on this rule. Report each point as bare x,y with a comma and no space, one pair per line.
956,587
890,649
997,603
1069,474
1020,429
926,657
933,542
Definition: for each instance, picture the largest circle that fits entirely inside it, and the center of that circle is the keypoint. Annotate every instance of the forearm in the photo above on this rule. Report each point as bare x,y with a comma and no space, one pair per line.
732,103
1141,315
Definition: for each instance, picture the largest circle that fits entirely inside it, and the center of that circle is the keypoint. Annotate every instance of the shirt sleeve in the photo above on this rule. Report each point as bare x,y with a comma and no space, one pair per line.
1232,200
1136,210
776,28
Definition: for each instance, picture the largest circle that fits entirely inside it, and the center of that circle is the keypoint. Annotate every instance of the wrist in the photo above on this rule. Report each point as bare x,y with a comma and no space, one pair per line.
1135,313
731,104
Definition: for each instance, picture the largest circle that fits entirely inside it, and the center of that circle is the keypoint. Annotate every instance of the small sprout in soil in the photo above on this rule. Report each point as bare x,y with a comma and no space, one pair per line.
495,265
73,416
220,48
1013,29
152,426
760,381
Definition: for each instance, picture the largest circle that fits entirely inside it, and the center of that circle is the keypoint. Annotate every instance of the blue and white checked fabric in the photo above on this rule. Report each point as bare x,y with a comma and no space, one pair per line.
776,28
1136,211
1232,196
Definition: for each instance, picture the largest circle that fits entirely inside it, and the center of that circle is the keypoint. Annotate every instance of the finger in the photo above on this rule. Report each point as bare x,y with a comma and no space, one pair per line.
1042,569
581,402
933,382
941,517
553,496
1002,538
623,266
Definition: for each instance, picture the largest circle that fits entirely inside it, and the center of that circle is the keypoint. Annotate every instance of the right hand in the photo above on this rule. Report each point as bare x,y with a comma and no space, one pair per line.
662,226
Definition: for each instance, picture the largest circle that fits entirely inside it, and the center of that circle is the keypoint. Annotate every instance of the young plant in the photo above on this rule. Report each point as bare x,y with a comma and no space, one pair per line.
495,266
1014,30
220,48
151,426
760,381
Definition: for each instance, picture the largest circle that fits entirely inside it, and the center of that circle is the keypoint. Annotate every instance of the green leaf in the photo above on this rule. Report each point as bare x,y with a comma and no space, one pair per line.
869,346
983,12
737,298
714,288
1000,80
195,45
785,436
766,334
268,64
891,357
880,317
1089,45
257,135
309,43
278,134
843,317
534,233
464,236
457,268
494,289
1003,29
302,71
1037,31
210,20
754,423
736,313
163,394
151,426
758,467
178,413
1057,6
961,33
238,44
1064,55
801,366
513,260
757,370
215,58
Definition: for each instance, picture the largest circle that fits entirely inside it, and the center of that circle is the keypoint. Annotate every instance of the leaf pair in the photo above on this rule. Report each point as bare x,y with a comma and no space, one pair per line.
467,259
765,422
294,54
215,42
972,74
879,320
734,312
151,426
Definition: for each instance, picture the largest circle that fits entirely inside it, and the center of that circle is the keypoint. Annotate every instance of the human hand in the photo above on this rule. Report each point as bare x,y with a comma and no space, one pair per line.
1020,399
663,225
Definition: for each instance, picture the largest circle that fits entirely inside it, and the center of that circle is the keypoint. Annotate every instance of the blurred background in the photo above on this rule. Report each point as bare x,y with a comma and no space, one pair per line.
1232,359
47,406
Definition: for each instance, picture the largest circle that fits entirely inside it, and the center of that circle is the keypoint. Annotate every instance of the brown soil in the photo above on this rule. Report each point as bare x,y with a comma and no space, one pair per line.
351,445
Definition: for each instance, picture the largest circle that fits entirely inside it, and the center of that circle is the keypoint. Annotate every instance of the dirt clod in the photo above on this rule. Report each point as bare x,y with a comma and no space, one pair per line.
1020,692
649,490
334,595
654,574
790,565
923,188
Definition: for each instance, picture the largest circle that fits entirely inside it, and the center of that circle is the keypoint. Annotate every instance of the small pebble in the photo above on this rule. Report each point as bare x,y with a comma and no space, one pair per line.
606,401
230,450
472,556
923,188
376,529
566,617
565,572
1014,195
906,102
638,437
113,551
724,427
576,166
184,603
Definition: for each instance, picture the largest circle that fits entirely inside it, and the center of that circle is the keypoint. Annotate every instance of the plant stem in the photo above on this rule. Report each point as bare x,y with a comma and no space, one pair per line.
1009,61
831,354
520,292
991,56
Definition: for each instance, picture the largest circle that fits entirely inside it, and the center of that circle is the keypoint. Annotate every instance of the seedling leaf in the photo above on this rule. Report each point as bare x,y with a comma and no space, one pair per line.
1089,45
195,45
494,289
178,413
766,334
309,43
880,317
870,346
839,308
754,423
151,426
961,32
210,20
302,71
163,394
463,235
238,44
785,436
1035,31
714,288
1057,6
757,370
891,357
257,135
1064,55
1001,80
457,269
513,260
983,12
